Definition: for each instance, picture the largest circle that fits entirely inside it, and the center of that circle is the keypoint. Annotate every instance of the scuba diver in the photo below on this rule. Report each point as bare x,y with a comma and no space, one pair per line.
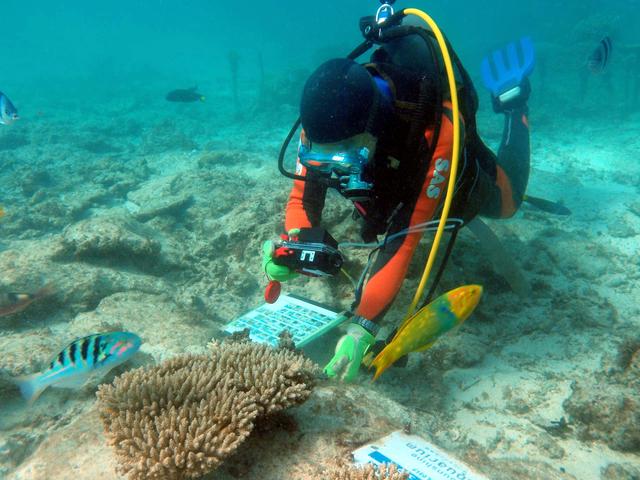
382,134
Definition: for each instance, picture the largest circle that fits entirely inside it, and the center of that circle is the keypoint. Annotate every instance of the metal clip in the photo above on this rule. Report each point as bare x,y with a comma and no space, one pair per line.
384,11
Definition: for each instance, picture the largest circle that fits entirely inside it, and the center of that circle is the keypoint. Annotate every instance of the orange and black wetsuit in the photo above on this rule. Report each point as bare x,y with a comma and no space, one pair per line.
410,176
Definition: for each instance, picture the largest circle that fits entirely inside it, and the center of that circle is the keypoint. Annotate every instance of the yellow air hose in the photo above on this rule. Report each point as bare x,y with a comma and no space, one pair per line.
454,160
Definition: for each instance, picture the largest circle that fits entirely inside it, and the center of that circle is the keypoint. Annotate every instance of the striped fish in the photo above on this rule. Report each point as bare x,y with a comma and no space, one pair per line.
599,58
81,360
8,112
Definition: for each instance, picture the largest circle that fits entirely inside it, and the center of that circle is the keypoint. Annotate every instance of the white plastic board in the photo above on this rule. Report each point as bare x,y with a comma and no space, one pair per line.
303,319
423,460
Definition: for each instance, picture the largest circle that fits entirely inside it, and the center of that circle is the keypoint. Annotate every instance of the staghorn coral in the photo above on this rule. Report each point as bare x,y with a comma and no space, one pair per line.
368,472
182,418
278,378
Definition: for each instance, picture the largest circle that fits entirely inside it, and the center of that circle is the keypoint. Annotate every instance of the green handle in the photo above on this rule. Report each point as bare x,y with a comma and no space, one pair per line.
280,273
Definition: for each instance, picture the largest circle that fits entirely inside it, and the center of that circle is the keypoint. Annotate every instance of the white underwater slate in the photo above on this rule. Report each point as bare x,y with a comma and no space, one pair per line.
304,319
423,460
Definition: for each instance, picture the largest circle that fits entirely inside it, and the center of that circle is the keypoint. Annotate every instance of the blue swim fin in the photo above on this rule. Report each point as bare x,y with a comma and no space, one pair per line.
505,69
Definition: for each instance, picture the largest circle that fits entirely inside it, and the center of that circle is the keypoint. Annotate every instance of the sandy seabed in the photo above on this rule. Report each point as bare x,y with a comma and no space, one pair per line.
149,217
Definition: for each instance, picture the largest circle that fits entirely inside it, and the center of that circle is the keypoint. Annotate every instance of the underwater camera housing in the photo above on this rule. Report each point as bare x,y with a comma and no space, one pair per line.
312,252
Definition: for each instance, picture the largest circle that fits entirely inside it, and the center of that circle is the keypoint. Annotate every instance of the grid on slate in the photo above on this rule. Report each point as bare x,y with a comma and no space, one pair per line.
266,323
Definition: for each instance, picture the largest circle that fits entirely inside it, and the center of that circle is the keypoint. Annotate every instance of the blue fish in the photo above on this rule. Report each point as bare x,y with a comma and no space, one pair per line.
85,358
8,112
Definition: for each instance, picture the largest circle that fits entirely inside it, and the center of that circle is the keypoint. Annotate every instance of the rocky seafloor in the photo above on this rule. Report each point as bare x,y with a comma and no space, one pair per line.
152,222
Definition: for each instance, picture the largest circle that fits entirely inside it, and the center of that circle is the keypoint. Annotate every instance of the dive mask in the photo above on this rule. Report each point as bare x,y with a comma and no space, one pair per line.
348,166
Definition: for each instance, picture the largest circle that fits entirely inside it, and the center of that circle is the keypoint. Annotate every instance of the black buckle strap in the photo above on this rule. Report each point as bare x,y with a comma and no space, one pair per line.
368,325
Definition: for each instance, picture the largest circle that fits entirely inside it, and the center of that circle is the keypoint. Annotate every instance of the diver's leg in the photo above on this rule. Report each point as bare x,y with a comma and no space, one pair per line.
513,161
500,181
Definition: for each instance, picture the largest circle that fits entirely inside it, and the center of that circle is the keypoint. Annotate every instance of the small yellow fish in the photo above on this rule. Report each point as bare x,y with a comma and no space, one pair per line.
420,331
1,211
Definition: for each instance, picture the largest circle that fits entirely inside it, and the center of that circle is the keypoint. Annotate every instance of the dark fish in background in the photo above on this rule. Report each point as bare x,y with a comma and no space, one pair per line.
8,112
598,60
12,302
185,96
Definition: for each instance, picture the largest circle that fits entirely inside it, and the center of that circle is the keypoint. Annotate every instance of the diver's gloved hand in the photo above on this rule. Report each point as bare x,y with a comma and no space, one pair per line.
350,350
513,99
279,273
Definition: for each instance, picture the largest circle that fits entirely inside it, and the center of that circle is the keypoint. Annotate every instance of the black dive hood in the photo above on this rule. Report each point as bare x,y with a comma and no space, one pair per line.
376,30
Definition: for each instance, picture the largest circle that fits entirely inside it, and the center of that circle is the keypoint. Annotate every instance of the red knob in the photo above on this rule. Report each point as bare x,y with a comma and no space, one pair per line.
272,292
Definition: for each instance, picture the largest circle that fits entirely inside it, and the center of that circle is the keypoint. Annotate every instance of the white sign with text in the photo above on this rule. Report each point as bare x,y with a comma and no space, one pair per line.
413,454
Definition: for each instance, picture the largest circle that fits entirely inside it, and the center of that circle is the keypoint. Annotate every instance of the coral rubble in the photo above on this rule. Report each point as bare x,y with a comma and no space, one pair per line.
607,408
368,472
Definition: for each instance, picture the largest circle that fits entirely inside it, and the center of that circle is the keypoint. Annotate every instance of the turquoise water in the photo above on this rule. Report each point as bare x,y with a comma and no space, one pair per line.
148,216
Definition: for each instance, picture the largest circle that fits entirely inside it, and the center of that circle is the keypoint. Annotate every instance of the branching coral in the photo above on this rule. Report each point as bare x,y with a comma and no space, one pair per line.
368,472
182,418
